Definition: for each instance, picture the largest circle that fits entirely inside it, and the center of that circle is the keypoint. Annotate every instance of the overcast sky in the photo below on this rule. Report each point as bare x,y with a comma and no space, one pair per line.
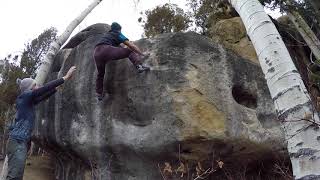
23,20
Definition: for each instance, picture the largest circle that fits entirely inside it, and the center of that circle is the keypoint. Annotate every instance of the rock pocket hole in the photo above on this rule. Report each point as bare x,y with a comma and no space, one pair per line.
187,151
244,97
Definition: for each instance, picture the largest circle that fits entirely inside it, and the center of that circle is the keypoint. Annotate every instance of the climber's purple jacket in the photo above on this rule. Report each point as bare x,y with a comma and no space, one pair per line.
113,38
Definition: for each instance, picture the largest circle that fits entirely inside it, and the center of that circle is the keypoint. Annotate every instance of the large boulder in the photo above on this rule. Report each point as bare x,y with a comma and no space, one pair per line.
90,31
199,105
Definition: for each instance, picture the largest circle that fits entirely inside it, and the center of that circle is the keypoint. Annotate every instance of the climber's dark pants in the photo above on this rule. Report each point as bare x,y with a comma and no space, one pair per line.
105,53
17,155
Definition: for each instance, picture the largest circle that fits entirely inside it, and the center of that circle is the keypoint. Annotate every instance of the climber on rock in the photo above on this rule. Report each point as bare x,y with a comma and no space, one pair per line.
109,49
21,130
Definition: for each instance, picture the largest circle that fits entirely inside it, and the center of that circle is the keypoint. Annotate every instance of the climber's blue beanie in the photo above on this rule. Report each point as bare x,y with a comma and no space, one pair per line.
115,27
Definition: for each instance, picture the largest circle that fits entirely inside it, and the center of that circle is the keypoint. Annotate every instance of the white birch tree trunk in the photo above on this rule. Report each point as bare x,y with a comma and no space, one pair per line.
4,171
287,90
56,45
305,31
48,59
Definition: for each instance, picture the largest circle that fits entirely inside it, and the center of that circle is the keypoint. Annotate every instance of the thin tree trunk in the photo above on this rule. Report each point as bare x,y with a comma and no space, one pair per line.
56,45
290,97
4,171
2,152
3,141
8,121
305,31
4,138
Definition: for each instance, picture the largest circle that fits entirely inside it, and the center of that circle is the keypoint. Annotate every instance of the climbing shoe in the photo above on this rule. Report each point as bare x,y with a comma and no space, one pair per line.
141,68
100,96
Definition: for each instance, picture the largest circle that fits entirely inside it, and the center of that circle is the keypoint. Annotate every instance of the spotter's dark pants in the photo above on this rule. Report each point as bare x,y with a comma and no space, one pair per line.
17,155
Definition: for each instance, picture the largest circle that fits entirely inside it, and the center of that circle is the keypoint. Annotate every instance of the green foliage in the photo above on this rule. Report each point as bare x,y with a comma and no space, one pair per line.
35,51
8,88
13,67
170,18
10,72
308,9
207,12
282,5
165,19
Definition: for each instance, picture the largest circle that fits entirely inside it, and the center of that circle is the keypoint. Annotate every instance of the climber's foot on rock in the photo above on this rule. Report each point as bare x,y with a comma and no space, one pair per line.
100,97
141,68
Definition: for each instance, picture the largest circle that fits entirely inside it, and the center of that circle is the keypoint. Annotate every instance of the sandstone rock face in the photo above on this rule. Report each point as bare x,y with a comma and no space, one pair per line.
199,104
232,34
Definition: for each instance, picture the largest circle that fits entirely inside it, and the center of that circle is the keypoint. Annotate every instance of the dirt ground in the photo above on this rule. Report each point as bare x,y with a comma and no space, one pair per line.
37,168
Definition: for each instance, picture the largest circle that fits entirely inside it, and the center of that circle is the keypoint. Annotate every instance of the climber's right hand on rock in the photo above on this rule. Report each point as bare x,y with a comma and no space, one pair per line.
70,73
